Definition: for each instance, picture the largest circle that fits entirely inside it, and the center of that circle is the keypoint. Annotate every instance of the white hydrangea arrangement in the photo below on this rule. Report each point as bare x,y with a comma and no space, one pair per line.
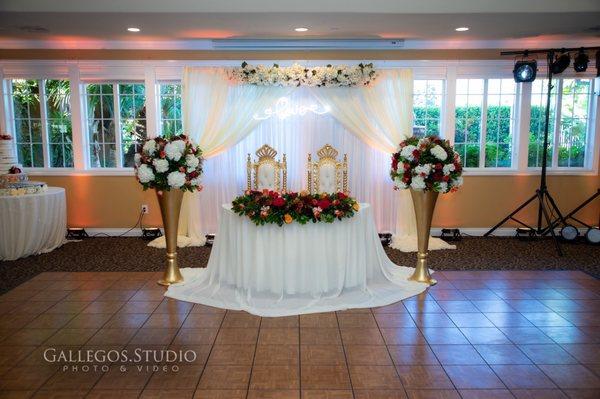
298,75
165,164
429,164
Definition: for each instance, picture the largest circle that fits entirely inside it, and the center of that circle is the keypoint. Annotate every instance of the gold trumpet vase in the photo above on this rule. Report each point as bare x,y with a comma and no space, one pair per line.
424,204
170,206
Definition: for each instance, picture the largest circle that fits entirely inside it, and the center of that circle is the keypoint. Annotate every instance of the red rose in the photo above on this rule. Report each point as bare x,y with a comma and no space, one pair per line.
314,202
446,178
416,153
394,164
278,202
406,166
341,195
163,154
193,174
438,166
324,204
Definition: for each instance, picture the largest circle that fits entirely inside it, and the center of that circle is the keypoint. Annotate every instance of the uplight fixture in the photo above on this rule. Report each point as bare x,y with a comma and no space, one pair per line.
462,29
133,29
525,71
301,29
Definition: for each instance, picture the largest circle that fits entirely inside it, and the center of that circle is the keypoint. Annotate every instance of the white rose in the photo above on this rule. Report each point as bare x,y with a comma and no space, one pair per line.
149,147
457,182
423,170
191,161
442,187
407,152
196,182
161,165
399,183
173,151
176,179
439,152
417,183
137,159
448,168
145,173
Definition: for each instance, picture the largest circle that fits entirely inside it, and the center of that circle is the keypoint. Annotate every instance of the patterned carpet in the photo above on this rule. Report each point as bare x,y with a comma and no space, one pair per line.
132,254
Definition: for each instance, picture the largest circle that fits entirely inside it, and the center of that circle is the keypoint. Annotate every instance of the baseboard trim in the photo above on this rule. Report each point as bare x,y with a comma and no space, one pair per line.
435,231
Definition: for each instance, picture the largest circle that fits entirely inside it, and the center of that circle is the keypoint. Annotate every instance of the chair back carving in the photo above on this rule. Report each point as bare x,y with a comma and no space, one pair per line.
266,172
327,174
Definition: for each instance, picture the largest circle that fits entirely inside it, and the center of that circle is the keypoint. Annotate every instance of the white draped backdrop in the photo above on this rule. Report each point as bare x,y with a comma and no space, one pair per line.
367,123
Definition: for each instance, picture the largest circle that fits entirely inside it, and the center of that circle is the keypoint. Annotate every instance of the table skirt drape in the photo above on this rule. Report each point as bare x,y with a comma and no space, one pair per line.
295,269
32,224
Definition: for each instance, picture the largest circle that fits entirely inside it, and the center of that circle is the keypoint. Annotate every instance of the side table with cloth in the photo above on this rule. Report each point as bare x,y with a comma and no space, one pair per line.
32,224
295,269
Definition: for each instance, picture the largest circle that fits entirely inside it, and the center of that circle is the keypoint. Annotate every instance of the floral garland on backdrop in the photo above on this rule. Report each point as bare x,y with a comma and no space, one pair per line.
174,163
298,75
429,164
266,206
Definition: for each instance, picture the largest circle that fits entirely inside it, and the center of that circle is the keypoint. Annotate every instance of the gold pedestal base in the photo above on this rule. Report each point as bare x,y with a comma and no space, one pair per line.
170,205
172,275
424,203
421,273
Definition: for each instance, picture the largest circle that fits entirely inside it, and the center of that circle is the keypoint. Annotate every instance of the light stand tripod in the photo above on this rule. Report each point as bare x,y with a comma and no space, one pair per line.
543,196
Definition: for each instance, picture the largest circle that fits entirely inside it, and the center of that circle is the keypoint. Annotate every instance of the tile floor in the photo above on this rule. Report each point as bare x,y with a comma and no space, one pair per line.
529,334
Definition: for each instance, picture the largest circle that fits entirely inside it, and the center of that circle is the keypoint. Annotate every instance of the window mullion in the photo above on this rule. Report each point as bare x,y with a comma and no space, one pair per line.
557,122
79,122
483,128
44,123
449,106
152,100
117,116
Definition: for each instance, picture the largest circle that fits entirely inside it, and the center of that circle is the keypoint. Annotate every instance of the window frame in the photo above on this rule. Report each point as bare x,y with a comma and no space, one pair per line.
80,72
159,84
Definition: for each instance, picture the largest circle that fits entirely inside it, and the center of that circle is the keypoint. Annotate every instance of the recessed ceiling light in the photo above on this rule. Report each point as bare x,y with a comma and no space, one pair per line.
462,29
133,29
300,29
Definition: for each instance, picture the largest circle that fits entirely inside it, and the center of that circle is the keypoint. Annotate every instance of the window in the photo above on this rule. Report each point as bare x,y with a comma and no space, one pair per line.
539,91
28,122
57,95
500,120
39,122
111,108
427,106
485,141
170,109
574,113
469,106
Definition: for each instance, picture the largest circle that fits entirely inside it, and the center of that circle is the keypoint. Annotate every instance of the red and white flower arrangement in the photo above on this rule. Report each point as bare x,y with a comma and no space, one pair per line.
165,164
266,207
429,163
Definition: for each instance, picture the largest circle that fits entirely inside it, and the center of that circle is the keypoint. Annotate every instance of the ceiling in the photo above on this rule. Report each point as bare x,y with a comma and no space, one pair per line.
189,24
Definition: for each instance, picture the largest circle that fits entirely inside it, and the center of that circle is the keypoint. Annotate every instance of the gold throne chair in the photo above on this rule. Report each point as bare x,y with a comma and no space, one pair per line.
327,175
266,172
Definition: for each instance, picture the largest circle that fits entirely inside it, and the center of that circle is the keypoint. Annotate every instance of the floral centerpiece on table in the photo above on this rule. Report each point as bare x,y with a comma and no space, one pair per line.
428,164
266,206
165,164
298,75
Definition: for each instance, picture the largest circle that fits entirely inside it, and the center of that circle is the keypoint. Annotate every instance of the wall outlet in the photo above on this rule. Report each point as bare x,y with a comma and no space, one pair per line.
145,209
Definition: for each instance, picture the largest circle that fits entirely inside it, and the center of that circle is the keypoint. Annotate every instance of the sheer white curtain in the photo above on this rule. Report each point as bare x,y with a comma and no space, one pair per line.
220,117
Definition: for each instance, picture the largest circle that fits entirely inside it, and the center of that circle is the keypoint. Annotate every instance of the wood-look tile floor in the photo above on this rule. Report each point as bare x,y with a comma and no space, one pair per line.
498,334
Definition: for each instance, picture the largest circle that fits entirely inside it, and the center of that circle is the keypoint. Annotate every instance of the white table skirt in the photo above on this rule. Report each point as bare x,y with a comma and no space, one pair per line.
32,224
293,269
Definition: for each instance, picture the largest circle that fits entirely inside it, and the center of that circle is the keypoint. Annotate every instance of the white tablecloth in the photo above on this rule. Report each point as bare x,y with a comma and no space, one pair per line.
32,224
293,269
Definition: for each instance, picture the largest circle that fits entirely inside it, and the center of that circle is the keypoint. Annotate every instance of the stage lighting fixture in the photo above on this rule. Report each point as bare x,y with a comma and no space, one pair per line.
581,61
76,233
150,233
451,235
593,235
569,233
560,63
525,71
525,233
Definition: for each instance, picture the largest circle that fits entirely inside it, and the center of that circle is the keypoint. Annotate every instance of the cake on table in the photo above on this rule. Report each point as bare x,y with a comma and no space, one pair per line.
13,181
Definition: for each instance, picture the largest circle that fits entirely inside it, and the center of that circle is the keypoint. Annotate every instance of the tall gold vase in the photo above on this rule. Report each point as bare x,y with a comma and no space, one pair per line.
170,206
424,203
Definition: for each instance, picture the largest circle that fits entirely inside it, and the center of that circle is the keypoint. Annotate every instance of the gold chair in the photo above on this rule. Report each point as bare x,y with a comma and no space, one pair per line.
327,175
267,172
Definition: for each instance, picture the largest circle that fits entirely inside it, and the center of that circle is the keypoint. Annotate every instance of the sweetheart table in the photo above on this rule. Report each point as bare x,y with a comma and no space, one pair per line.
295,269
